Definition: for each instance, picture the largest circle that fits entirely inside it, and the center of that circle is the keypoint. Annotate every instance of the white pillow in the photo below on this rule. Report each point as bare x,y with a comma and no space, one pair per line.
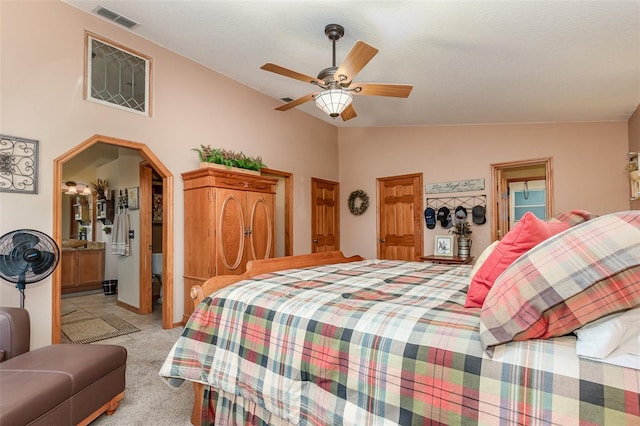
614,339
483,256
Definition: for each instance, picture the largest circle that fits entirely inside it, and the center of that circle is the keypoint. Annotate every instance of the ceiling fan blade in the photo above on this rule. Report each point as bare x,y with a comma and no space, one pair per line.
377,89
358,57
295,103
290,73
348,113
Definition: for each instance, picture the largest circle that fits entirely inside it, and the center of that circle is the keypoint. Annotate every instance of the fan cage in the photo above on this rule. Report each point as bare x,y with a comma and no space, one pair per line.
27,256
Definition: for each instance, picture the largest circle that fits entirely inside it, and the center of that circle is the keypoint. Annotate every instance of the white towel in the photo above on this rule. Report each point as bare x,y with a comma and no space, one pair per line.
120,244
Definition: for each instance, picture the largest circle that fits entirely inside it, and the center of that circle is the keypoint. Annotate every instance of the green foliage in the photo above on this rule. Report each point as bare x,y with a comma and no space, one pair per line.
462,229
100,185
228,158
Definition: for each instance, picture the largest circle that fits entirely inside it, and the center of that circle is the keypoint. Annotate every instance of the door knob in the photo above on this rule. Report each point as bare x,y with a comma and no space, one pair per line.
382,240
316,241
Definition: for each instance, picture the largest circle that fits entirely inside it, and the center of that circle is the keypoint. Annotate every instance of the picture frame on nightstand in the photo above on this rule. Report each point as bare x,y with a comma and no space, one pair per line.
444,245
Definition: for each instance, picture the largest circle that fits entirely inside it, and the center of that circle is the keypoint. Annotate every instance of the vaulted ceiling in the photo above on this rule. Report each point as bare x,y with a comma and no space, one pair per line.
470,62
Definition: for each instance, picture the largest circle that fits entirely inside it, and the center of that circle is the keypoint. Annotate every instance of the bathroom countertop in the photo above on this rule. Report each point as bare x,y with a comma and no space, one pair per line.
91,245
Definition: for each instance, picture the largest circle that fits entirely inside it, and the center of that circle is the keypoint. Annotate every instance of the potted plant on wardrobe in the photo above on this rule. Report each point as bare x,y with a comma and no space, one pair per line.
228,159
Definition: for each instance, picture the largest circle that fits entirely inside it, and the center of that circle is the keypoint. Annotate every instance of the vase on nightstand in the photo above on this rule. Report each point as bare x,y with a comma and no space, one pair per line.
464,247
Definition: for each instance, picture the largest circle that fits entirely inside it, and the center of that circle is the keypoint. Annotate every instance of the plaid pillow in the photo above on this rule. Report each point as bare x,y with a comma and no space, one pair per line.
575,277
572,217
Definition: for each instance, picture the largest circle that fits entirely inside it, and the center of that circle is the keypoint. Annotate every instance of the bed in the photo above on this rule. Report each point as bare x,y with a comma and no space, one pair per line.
380,342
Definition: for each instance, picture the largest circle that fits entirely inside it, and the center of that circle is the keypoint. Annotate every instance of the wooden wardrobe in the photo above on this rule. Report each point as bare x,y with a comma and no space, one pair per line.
229,219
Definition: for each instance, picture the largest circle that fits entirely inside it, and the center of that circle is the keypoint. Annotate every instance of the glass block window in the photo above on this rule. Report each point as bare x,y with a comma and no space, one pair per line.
116,76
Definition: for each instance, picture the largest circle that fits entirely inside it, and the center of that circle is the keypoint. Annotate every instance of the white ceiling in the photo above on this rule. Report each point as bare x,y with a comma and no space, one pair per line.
469,61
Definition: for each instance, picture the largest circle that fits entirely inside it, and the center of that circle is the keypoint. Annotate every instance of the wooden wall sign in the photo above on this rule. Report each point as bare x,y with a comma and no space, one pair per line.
455,186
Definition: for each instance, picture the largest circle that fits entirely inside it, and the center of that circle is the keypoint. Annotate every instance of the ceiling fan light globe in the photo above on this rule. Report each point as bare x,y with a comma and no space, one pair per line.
333,101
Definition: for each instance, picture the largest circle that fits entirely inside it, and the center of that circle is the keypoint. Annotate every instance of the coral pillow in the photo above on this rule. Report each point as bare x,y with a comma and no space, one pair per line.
529,232
483,258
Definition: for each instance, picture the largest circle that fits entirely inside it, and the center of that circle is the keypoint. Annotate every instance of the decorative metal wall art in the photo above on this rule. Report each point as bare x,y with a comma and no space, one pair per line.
18,165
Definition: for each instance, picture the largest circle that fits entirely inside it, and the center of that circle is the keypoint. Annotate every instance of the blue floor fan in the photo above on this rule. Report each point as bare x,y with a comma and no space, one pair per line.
27,256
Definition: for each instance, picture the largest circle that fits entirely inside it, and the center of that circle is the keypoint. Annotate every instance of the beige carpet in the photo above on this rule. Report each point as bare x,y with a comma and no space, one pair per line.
89,329
148,399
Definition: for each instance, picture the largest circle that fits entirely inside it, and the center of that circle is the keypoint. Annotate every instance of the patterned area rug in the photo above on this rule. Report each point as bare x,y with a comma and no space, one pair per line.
89,329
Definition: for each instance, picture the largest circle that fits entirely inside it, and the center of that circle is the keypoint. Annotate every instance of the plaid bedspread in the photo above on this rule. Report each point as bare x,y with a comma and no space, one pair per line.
387,342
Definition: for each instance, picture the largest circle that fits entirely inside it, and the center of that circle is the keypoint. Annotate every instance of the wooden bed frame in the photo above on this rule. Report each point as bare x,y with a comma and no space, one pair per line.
257,267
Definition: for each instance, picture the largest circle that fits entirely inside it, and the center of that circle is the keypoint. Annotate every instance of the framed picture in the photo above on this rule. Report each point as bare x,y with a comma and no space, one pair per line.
444,245
132,198
157,203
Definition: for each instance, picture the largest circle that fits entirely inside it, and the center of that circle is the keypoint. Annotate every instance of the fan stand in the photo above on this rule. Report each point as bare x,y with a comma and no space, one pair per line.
21,286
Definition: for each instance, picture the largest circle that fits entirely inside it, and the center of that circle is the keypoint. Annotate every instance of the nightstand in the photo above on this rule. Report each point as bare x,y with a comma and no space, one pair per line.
447,260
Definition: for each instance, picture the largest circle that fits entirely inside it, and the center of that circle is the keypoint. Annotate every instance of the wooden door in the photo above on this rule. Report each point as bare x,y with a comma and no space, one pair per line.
145,302
260,235
400,231
325,219
230,231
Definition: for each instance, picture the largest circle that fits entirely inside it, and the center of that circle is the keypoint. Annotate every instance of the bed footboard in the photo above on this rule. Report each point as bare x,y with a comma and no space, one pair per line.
257,267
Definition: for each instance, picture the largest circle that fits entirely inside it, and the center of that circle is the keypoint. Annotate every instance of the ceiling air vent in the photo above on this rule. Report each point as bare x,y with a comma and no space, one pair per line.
115,17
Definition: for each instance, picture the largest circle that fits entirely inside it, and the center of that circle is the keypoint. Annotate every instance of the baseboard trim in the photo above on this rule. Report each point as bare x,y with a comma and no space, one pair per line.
129,307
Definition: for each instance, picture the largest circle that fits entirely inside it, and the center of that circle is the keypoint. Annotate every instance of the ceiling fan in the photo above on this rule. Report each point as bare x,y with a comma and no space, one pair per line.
337,82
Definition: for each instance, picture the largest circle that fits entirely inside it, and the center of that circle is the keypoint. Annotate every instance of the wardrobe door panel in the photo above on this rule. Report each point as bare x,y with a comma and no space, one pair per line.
261,239
230,231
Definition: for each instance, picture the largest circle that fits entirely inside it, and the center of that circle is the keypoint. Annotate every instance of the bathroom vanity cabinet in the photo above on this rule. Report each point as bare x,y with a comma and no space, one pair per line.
82,269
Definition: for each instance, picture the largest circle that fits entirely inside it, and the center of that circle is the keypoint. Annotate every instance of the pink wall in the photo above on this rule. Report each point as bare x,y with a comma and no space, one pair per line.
41,78
634,142
588,164
634,131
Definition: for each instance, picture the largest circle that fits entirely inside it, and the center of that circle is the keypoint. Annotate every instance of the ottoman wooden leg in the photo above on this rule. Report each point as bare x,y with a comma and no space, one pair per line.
109,408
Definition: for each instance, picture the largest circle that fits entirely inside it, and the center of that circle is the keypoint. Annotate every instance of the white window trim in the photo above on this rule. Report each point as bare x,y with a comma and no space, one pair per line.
89,36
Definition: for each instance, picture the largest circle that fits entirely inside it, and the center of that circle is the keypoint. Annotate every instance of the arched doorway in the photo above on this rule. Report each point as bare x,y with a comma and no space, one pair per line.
167,217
